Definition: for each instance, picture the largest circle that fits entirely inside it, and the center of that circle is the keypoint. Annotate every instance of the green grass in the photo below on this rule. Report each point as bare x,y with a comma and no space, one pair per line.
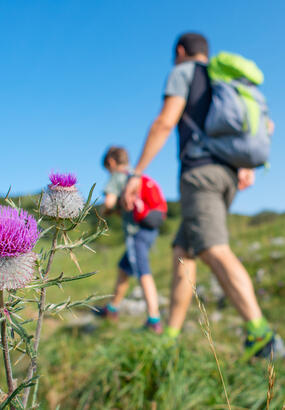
133,370
119,367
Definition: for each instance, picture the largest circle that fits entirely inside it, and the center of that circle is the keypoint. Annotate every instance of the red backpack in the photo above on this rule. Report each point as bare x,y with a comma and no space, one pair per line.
150,207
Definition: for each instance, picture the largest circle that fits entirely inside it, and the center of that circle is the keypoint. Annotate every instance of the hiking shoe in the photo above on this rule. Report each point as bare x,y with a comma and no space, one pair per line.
278,347
154,327
105,313
262,347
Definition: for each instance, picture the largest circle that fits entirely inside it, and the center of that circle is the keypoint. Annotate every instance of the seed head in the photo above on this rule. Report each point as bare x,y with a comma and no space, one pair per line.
17,271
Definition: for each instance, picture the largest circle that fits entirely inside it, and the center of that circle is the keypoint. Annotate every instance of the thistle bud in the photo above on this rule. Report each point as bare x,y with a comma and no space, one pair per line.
62,199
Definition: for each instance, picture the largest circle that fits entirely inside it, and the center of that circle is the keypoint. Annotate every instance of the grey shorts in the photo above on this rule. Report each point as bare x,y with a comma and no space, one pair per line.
206,194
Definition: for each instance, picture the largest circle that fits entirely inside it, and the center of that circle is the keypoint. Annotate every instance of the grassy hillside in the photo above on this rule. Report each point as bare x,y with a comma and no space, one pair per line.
87,364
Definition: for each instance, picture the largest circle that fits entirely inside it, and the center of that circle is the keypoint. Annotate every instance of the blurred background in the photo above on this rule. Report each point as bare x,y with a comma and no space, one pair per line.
78,76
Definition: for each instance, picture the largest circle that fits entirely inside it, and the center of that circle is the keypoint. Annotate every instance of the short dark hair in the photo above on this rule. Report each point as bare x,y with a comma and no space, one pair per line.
193,43
119,154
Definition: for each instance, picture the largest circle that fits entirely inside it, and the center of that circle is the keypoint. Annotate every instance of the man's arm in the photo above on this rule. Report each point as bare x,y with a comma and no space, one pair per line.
160,130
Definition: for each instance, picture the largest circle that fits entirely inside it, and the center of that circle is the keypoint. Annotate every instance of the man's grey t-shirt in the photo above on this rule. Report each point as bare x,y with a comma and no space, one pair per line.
179,80
116,185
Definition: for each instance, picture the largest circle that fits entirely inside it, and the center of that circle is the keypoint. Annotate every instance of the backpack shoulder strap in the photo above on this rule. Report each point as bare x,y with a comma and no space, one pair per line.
200,95
192,124
252,107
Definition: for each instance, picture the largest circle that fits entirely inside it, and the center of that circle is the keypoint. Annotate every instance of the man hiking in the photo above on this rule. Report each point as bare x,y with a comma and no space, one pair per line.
208,185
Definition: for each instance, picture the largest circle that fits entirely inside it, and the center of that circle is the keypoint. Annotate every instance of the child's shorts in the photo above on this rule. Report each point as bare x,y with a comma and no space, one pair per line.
135,260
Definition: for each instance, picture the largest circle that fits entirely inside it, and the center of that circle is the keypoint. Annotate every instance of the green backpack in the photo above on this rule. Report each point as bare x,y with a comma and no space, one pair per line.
237,120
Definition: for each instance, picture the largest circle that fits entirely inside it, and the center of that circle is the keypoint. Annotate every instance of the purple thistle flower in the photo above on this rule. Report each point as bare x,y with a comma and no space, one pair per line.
18,232
61,198
18,235
63,180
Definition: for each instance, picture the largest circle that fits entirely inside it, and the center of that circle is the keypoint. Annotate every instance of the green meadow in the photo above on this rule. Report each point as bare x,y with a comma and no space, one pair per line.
88,364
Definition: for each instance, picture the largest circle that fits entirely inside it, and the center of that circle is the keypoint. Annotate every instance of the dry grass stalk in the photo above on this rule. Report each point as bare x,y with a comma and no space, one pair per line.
271,381
72,255
205,326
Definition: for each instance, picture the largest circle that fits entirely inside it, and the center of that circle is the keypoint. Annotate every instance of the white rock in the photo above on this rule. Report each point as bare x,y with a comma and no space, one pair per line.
163,301
137,293
190,326
216,288
279,348
278,241
254,246
216,316
276,255
78,319
239,331
133,307
201,291
260,275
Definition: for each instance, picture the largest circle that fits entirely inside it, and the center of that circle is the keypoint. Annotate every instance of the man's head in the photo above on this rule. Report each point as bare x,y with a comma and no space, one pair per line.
116,159
191,46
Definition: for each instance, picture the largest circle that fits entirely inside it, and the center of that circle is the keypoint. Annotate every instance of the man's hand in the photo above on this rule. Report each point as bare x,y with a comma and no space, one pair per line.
246,178
271,127
169,116
130,193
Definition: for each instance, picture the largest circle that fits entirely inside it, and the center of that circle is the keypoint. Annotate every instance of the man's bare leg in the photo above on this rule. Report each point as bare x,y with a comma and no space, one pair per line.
150,294
184,275
121,288
234,279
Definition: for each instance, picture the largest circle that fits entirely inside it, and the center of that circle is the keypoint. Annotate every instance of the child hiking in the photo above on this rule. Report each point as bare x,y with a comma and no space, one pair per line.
140,228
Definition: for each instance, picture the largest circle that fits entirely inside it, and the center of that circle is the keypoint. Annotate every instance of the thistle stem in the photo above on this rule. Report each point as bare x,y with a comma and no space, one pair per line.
5,347
33,365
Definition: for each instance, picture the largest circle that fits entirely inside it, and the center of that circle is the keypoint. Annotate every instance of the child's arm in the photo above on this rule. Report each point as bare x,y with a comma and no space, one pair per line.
110,203
112,192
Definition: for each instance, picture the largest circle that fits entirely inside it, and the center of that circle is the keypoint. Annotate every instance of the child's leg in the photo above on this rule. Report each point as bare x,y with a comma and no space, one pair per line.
150,294
111,310
121,288
143,242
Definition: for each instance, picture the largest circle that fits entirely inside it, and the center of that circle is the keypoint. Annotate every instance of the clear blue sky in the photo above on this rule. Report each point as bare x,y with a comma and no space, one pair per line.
79,75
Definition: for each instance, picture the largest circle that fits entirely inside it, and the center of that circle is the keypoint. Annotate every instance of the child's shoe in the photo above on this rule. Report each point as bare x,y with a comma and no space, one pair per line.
154,326
106,313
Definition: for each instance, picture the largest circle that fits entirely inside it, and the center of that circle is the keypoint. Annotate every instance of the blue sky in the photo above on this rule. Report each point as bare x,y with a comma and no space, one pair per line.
79,75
